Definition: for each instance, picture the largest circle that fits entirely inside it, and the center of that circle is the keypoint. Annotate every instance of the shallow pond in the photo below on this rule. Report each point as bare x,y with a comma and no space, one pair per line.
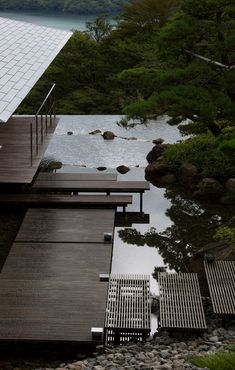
177,226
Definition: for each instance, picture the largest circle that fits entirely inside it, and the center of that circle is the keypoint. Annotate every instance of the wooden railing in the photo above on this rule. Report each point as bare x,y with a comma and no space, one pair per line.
44,119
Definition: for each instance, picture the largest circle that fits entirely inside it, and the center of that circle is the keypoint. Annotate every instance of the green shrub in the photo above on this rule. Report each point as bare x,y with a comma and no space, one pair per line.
206,153
218,361
225,233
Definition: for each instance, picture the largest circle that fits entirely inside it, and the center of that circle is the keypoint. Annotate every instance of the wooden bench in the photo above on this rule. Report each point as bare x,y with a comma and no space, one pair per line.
55,200
94,186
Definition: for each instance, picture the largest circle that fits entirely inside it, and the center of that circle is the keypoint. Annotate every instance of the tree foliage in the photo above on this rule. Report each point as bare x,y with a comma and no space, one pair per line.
148,66
187,87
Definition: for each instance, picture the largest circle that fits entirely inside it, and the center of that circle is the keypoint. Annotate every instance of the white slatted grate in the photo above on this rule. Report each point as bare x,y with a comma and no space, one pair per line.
180,302
128,307
220,277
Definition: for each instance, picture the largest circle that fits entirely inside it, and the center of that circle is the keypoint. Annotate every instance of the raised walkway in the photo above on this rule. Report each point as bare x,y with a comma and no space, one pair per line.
15,149
50,288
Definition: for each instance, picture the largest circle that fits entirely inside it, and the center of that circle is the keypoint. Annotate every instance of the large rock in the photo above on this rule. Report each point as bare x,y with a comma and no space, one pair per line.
123,169
155,153
108,135
49,163
158,141
209,189
188,176
230,185
229,197
55,165
159,174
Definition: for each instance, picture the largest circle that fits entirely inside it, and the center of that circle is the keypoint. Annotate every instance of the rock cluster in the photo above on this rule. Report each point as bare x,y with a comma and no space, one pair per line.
160,174
160,353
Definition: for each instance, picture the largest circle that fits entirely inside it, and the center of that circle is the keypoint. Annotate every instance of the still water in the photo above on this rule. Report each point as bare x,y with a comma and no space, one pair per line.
51,19
177,226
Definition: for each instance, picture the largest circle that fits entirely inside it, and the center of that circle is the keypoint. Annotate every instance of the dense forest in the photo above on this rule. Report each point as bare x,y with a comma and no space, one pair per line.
69,6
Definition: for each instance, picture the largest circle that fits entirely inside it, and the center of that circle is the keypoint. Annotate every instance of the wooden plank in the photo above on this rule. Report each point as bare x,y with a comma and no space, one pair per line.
15,164
42,310
92,186
57,261
221,281
66,225
53,200
180,302
44,176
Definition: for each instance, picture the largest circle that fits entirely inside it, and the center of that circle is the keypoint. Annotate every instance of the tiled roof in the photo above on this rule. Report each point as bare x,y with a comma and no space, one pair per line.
26,51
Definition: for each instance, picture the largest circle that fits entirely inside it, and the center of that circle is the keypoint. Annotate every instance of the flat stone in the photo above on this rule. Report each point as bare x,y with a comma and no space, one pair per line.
214,339
95,132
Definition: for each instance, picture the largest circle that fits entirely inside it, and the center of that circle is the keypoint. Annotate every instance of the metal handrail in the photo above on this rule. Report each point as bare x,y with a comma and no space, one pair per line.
48,113
44,101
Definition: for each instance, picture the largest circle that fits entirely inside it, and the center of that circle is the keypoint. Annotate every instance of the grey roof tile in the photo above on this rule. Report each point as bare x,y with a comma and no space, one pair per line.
26,51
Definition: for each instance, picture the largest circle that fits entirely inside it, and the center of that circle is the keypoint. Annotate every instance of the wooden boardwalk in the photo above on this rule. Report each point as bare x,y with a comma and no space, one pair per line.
128,308
98,186
15,162
92,186
221,281
82,176
66,225
180,302
54,200
49,286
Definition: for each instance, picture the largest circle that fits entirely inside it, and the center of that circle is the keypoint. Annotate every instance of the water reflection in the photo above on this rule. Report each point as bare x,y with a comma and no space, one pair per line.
192,227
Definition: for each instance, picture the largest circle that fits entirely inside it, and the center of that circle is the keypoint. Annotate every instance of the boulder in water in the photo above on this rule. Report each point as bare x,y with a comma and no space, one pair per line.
108,135
123,169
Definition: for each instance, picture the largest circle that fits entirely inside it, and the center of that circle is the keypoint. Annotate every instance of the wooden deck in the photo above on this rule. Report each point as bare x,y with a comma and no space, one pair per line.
49,285
221,281
53,200
15,162
92,186
128,308
98,186
66,225
180,302
44,176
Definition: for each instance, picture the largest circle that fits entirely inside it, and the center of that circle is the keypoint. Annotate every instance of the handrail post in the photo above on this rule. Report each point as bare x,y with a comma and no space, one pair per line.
31,144
41,128
36,134
46,123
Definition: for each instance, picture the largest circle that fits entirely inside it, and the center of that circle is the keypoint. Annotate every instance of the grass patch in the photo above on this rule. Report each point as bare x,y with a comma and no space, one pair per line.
217,361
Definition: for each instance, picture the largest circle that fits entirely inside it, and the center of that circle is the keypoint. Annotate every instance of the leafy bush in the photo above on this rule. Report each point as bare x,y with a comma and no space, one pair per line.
206,153
225,233
218,361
